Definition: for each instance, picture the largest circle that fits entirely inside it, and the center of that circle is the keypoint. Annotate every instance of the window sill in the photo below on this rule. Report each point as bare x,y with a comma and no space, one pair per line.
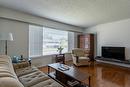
42,56
47,55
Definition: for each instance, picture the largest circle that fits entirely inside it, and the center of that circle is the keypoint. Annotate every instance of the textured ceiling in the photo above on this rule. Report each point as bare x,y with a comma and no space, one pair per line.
83,13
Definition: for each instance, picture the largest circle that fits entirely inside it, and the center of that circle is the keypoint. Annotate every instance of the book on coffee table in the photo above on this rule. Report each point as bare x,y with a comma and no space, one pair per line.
72,83
63,67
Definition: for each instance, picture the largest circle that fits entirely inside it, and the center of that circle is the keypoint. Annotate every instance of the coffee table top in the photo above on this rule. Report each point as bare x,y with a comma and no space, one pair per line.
72,72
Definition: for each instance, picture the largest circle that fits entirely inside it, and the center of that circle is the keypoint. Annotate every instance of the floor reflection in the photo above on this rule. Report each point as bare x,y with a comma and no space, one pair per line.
109,76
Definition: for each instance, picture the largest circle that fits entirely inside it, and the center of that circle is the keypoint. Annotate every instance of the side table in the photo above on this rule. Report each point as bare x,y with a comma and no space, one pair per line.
60,58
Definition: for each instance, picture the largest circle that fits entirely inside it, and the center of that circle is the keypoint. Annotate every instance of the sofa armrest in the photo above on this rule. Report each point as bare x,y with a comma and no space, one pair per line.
10,82
21,65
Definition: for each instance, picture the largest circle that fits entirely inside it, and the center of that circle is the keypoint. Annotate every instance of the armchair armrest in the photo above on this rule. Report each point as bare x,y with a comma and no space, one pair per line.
74,55
77,59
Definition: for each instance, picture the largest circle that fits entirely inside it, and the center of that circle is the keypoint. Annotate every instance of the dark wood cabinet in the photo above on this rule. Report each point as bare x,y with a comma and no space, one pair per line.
87,41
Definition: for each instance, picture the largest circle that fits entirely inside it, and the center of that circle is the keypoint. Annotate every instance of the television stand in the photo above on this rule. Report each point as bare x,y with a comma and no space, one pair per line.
125,63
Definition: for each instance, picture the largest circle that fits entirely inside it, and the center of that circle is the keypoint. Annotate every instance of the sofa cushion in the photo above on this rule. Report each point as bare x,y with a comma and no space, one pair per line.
84,58
48,83
24,71
33,78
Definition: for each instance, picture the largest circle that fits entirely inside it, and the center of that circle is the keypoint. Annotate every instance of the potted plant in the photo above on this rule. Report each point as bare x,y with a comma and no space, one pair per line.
59,49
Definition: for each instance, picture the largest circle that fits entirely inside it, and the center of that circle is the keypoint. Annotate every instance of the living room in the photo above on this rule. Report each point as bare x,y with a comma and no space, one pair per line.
108,21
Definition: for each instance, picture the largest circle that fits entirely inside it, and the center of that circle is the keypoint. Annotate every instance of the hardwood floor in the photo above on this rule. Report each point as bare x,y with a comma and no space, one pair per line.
104,75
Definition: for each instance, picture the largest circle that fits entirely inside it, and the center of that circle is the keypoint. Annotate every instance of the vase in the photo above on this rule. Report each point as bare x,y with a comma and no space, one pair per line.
60,51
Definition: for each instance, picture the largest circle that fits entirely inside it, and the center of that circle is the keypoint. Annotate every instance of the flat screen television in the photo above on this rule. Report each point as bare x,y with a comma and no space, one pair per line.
117,53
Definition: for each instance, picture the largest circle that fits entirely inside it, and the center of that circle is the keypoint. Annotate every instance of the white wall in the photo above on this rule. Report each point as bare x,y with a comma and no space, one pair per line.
20,35
43,61
112,34
18,24
28,18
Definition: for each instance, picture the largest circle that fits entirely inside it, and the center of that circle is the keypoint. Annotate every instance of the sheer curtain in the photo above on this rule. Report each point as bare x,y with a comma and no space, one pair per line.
35,40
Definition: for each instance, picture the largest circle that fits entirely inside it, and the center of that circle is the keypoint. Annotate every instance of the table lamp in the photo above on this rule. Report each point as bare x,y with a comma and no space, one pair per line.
6,37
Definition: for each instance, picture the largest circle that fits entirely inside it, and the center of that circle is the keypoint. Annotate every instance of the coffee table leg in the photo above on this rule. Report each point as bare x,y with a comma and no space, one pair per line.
89,81
48,70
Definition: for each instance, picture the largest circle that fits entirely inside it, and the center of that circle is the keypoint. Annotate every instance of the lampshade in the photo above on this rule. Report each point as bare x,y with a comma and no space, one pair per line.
6,36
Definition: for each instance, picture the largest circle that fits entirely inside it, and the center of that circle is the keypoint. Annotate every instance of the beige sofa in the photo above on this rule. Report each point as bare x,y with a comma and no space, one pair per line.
23,77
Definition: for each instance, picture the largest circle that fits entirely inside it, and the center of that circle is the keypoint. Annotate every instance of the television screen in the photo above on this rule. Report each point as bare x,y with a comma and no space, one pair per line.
113,52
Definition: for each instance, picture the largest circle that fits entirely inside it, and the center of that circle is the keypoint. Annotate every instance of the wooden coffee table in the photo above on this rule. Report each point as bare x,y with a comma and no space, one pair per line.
71,77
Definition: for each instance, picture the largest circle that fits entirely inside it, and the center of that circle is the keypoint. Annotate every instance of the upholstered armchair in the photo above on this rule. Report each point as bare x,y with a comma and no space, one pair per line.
80,57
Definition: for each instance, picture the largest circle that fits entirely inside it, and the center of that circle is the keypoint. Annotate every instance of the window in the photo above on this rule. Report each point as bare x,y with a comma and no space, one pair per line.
45,41
52,39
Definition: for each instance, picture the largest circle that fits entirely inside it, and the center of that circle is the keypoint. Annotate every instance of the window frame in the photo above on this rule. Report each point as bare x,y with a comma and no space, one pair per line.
36,56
